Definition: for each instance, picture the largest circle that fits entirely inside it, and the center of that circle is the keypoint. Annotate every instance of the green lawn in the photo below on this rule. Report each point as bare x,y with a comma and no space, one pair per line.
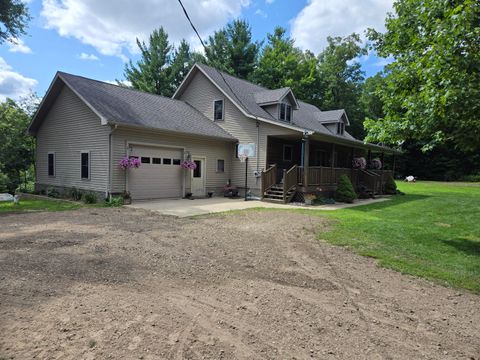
433,232
38,205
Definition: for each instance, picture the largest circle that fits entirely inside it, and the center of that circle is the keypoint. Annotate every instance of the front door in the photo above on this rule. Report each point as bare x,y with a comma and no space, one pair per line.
198,177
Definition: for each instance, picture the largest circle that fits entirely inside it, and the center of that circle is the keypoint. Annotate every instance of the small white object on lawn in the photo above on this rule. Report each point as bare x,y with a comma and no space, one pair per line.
410,178
6,197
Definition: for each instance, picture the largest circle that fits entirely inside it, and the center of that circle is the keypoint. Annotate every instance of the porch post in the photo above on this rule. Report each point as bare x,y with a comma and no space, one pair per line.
369,158
306,160
393,166
333,178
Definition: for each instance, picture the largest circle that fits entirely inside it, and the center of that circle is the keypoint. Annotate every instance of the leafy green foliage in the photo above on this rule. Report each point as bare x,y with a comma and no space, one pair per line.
52,192
161,67
14,17
340,79
232,50
432,88
90,198
115,201
281,64
16,147
390,186
76,194
345,192
37,205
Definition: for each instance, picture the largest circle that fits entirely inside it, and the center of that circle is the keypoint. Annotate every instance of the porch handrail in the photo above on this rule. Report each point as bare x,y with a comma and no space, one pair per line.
269,178
374,179
290,178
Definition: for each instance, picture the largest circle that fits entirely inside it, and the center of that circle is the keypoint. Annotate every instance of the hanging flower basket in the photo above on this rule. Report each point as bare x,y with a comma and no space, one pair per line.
129,162
359,163
188,164
376,164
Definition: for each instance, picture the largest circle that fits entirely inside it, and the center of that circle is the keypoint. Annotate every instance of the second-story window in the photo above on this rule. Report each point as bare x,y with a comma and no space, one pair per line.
340,128
218,110
285,112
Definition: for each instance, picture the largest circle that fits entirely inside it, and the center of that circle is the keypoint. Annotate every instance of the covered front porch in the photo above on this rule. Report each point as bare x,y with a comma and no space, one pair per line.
315,164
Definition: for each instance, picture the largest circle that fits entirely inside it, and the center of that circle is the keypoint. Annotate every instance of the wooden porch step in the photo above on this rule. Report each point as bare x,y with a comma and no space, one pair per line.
280,201
275,196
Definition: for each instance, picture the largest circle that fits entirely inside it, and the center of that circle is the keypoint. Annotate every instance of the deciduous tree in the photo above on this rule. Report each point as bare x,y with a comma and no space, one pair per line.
432,91
14,17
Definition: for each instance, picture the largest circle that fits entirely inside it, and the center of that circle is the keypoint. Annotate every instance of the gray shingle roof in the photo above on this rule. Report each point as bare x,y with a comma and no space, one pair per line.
329,116
247,94
131,107
270,96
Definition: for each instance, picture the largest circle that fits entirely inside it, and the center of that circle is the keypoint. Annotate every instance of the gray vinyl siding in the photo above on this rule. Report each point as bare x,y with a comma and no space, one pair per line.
69,128
211,149
200,93
272,110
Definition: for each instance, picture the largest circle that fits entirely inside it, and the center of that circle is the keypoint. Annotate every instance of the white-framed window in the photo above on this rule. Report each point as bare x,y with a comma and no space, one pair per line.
285,112
51,168
220,165
287,152
218,110
289,113
85,164
340,128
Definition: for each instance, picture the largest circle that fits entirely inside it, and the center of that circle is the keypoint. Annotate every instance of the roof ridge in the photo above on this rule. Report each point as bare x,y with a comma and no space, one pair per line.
232,76
120,86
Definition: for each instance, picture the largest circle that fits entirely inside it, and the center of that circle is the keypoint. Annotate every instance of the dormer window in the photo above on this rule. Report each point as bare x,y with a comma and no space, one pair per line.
218,110
340,128
285,112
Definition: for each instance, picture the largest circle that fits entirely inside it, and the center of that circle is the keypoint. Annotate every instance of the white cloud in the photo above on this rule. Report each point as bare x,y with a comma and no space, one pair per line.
85,56
269,1
322,18
261,13
111,26
382,62
13,84
17,45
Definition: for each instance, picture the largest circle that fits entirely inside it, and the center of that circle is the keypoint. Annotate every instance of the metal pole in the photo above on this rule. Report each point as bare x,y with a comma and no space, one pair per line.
246,177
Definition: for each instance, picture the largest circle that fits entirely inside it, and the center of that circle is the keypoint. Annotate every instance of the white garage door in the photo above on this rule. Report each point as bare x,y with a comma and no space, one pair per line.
159,175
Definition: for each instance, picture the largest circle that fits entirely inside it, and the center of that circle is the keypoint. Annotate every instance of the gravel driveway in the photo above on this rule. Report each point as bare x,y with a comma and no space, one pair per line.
131,284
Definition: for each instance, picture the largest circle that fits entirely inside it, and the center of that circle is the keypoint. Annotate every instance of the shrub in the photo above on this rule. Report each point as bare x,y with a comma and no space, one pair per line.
115,201
90,198
390,186
472,178
52,192
345,192
76,194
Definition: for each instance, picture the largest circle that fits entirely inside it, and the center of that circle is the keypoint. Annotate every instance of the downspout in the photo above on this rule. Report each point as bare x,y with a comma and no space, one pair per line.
258,151
110,167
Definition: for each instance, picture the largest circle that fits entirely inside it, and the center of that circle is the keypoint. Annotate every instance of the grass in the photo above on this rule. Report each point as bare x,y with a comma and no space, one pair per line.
38,205
432,232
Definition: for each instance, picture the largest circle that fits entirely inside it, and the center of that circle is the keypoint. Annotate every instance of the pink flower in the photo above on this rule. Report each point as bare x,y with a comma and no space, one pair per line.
129,162
188,164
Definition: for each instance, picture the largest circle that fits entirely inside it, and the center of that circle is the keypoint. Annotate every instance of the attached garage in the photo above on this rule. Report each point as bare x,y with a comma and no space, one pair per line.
159,175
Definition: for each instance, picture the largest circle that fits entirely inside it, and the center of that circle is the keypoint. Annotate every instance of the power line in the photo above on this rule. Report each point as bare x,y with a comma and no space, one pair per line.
206,52
193,26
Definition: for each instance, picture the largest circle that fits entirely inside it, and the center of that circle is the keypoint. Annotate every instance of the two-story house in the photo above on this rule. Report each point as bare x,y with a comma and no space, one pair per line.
84,128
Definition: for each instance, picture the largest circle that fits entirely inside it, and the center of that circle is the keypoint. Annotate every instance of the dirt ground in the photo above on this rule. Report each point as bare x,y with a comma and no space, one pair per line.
130,284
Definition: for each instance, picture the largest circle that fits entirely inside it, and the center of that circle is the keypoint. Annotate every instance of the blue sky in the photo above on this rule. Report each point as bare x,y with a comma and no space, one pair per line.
94,38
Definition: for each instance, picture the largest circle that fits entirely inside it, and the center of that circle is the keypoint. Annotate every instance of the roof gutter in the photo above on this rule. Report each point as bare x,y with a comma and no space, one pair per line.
148,128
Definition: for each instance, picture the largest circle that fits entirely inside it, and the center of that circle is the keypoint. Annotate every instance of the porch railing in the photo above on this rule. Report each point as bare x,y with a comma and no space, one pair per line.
322,175
328,176
269,178
290,181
